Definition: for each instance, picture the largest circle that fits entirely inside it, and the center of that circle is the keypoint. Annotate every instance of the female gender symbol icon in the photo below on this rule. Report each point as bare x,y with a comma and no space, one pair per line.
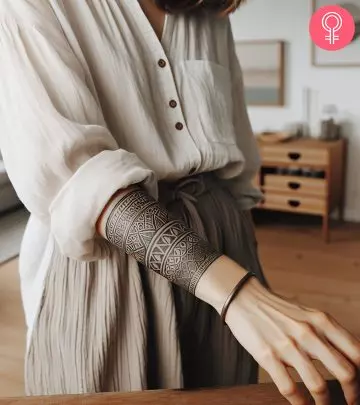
332,27
327,23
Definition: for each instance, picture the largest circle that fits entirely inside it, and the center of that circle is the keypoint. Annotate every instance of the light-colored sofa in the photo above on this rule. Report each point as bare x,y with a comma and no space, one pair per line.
8,197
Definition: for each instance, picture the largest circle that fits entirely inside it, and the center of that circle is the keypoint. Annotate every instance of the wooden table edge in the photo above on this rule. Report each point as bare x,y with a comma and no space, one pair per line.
264,394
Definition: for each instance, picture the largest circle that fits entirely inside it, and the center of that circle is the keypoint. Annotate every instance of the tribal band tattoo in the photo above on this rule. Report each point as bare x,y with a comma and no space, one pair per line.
141,227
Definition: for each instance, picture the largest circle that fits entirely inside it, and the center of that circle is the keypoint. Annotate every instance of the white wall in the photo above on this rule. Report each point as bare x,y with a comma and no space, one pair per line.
288,20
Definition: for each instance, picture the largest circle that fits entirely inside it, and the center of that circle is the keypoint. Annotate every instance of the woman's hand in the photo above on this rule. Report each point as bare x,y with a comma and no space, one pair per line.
280,334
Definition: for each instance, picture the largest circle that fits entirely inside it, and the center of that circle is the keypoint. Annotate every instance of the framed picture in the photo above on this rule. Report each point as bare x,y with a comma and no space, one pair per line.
350,55
262,63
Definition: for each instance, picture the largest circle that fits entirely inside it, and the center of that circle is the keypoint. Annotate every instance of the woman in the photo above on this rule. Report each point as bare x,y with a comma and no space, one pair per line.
125,133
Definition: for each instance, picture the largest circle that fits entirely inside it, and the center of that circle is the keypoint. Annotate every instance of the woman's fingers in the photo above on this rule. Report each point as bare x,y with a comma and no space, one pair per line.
339,337
339,365
282,379
341,369
301,362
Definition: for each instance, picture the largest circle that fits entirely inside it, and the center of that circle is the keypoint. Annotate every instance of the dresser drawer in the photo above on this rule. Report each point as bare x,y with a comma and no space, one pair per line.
294,156
286,202
256,181
295,185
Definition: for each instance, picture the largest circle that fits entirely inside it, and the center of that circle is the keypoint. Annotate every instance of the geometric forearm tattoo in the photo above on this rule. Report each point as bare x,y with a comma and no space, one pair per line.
141,227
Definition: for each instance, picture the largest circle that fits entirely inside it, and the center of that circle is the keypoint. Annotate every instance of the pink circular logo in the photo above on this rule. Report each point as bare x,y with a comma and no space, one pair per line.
332,28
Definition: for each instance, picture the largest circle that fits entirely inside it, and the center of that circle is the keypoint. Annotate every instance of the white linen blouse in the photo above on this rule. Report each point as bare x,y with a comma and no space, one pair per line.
91,101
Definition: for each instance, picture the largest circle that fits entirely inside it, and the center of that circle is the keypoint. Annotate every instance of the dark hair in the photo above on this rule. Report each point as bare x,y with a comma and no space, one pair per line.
189,6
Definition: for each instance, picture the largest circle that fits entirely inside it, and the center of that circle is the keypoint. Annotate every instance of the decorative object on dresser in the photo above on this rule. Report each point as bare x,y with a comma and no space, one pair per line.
348,56
276,137
330,129
305,176
262,63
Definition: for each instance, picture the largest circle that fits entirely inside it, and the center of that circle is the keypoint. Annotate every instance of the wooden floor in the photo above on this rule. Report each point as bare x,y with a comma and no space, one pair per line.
12,332
296,261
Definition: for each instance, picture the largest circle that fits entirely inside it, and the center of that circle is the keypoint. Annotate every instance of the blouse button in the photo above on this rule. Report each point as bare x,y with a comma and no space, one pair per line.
179,126
173,104
162,63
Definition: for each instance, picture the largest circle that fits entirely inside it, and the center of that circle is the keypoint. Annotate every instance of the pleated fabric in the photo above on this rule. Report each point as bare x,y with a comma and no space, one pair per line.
111,325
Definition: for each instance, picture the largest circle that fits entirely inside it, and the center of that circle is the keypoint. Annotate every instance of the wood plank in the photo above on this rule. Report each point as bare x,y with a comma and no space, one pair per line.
264,394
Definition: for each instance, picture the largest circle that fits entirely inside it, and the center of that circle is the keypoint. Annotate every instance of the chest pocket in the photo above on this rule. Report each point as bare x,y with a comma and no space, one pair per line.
205,90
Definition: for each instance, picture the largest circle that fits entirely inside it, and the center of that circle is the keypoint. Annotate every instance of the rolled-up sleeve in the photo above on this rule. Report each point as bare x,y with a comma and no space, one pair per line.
60,156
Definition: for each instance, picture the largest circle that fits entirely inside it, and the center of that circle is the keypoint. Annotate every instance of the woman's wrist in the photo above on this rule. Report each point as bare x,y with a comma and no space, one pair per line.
218,282
140,227
250,298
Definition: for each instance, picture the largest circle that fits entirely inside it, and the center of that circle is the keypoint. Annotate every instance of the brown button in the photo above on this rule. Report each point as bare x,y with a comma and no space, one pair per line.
173,104
162,63
179,126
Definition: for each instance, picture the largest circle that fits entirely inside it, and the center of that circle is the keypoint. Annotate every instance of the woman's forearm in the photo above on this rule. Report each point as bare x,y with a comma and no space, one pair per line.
216,284
144,229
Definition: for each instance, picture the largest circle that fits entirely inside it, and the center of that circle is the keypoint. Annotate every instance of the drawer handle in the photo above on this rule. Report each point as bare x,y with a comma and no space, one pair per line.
293,185
294,203
294,155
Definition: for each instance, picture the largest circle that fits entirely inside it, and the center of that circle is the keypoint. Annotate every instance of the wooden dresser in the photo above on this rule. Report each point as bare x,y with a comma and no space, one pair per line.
304,176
